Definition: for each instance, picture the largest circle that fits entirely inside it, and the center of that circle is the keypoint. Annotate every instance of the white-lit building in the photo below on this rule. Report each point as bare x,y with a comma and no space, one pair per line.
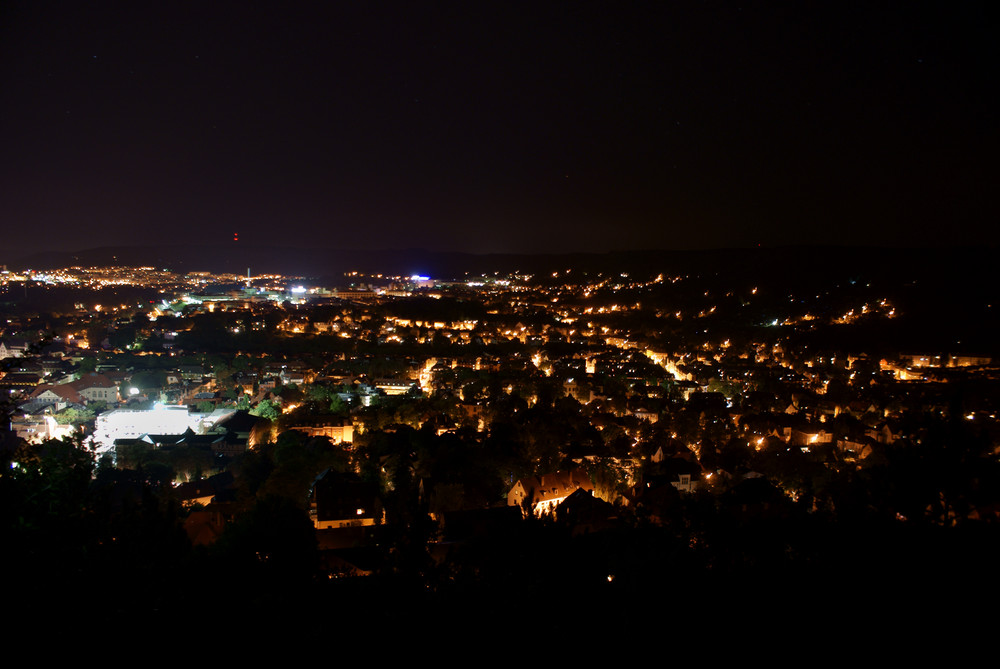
131,424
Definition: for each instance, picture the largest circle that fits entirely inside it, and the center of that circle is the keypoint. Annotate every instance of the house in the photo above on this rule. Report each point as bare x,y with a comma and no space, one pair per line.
343,501
61,396
680,473
36,429
193,373
206,491
544,493
13,347
395,386
659,498
585,513
341,433
20,382
91,388
96,388
808,436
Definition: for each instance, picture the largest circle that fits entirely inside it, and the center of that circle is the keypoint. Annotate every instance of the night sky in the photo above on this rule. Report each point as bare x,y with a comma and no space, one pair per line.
497,127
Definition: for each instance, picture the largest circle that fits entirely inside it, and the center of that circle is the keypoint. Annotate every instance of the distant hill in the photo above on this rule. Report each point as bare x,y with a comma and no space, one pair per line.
948,299
970,267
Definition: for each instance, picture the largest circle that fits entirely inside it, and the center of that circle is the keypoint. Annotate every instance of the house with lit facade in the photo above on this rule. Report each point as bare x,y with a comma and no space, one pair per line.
13,348
544,493
90,388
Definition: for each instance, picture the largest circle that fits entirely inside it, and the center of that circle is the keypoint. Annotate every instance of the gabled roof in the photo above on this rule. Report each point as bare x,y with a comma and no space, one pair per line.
65,391
582,503
555,485
92,380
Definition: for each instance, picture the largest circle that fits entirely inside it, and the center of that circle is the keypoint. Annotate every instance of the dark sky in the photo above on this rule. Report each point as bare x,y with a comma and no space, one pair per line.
497,126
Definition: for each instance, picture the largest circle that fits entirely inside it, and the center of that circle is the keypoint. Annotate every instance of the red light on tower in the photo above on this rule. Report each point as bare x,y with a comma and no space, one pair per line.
236,236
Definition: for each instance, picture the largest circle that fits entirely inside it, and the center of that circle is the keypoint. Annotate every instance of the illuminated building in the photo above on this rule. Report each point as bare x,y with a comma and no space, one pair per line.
545,492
